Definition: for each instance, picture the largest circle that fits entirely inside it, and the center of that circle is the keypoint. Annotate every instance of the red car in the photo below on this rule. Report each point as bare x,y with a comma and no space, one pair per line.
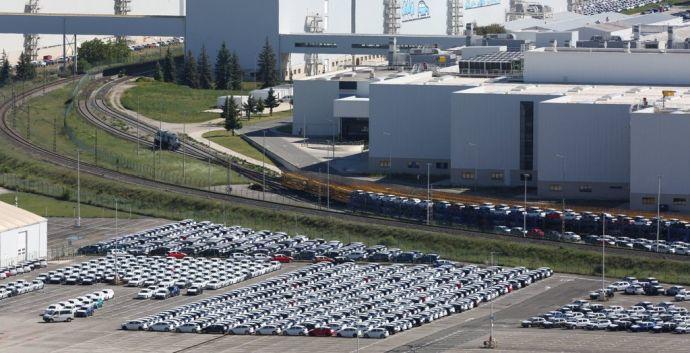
323,259
176,254
322,332
284,259
535,233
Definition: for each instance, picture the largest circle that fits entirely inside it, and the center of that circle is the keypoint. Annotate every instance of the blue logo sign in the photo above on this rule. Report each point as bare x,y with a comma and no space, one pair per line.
473,4
413,10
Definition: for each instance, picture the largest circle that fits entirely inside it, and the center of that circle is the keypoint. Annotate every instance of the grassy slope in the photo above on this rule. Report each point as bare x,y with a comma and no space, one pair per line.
175,103
51,207
652,6
236,143
44,110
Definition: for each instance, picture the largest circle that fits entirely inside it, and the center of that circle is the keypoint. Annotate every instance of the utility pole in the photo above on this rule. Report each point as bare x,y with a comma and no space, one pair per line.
658,214
78,188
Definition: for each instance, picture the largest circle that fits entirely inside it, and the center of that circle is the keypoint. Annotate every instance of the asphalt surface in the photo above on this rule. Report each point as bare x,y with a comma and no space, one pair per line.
62,232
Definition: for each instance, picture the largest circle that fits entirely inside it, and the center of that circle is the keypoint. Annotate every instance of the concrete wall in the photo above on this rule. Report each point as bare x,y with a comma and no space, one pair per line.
659,145
412,121
483,16
313,105
36,245
612,66
243,25
351,107
545,39
485,130
595,140
586,33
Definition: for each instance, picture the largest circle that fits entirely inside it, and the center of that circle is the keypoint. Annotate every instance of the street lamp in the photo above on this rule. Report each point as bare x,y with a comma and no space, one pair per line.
562,158
78,188
428,194
603,255
658,214
390,153
524,213
476,165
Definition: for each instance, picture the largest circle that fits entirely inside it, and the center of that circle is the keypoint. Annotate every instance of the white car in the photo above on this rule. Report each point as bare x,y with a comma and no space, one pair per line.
163,326
189,328
376,333
621,285
296,330
349,332
242,330
145,294
135,325
269,330
682,296
62,315
108,294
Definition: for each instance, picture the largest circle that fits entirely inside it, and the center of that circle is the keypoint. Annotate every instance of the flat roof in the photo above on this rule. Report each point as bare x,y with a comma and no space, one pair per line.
359,74
427,78
12,217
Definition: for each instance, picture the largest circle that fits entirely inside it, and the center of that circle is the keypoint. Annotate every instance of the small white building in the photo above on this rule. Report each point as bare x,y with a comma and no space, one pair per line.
23,235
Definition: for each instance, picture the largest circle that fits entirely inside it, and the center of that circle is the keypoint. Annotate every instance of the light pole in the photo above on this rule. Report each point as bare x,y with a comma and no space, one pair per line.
263,166
524,213
328,184
562,158
390,153
658,214
491,317
78,188
428,194
603,255
476,162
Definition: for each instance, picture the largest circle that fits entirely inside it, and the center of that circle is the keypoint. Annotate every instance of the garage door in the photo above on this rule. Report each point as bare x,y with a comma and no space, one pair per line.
21,246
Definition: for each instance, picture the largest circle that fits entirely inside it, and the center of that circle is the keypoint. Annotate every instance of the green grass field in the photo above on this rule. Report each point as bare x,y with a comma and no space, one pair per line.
51,207
235,143
48,111
176,103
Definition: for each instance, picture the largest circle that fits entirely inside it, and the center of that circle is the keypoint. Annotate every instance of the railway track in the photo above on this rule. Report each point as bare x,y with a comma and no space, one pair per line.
12,136
94,104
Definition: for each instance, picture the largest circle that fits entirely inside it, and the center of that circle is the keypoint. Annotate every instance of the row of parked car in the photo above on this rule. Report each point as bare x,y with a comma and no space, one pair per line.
622,230
205,239
346,300
83,306
19,287
22,267
642,317
161,277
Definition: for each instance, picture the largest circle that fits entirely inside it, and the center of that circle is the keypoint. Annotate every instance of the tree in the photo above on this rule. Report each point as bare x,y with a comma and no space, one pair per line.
25,70
235,73
271,101
169,74
249,107
5,71
94,51
267,73
490,29
231,115
205,79
222,70
260,106
158,72
190,74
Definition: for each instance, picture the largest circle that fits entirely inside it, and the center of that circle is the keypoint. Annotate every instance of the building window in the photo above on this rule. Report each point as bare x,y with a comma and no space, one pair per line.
468,175
649,200
680,201
556,187
527,135
585,188
497,176
616,187
441,165
413,165
385,163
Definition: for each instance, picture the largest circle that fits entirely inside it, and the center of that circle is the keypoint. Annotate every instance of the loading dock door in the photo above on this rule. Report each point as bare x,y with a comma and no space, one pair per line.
21,246
354,129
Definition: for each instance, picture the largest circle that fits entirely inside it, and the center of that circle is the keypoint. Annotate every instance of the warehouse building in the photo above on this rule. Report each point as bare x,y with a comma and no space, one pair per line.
659,155
23,235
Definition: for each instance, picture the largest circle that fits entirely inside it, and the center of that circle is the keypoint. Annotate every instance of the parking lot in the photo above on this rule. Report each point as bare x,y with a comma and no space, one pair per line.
63,233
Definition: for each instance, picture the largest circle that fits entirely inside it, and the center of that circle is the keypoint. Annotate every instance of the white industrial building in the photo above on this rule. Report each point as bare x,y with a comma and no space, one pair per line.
23,235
